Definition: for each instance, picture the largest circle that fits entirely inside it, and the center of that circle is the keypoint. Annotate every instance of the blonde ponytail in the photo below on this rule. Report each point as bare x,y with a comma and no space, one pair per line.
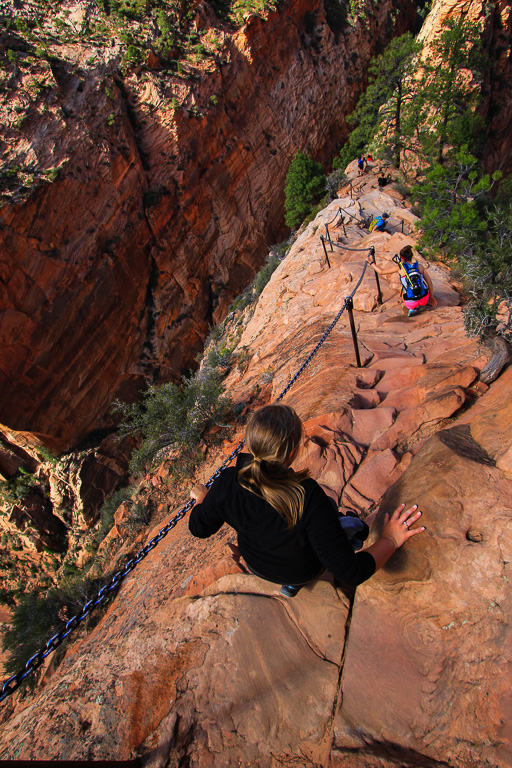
272,435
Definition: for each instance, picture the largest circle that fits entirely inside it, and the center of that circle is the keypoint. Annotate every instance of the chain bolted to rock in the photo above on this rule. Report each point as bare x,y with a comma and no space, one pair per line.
35,661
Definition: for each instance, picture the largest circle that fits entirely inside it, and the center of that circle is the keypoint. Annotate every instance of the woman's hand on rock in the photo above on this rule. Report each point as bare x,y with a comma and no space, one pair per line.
198,492
397,528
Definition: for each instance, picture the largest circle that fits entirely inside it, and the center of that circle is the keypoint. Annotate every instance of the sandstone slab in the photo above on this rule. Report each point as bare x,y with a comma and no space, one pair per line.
429,638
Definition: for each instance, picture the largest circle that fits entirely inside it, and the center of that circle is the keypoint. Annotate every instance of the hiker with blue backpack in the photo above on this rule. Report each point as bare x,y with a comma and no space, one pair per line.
417,288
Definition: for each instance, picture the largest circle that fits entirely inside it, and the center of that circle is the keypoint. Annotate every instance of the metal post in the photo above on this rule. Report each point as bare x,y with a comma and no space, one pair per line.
328,237
343,225
350,308
402,226
351,188
379,292
325,251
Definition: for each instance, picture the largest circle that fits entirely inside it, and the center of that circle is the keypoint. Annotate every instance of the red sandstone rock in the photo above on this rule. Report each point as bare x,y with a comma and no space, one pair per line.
168,675
116,269
434,620
209,677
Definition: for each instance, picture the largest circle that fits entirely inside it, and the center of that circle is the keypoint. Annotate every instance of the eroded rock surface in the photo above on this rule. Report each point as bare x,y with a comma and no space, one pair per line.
428,667
197,662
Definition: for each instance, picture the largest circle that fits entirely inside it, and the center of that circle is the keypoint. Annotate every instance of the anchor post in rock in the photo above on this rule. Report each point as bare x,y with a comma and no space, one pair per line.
350,309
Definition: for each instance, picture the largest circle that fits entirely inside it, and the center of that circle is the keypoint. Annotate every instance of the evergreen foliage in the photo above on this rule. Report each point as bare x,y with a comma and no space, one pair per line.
38,617
172,416
461,221
264,275
305,182
449,91
380,109
419,104
108,510
452,203
428,105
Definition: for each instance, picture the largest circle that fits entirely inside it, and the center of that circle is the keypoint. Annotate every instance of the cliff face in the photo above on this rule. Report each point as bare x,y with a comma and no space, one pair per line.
196,662
158,200
495,20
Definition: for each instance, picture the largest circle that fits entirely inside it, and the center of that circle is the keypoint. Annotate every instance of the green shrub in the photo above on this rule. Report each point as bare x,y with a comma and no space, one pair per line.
335,180
19,487
305,183
107,511
264,275
219,356
176,417
51,174
139,515
37,617
46,455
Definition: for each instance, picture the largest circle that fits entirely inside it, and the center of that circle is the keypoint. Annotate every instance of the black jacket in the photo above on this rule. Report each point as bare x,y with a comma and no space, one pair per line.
279,554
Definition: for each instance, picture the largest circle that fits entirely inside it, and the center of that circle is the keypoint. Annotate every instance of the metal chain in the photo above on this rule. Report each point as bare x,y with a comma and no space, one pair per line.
35,661
344,248
349,214
338,213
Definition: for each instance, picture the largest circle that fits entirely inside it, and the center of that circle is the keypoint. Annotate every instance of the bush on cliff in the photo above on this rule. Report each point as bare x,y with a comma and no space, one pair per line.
462,222
305,183
37,617
423,105
380,109
172,416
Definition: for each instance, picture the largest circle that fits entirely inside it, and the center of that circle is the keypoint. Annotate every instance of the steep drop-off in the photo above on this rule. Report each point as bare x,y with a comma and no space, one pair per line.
197,663
158,214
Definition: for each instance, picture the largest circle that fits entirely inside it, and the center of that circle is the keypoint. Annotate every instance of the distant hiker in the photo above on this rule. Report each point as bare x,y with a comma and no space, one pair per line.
379,223
289,530
361,165
417,288
369,159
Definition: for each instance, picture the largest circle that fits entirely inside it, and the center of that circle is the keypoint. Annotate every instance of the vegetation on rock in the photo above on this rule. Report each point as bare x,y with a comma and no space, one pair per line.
379,115
37,617
422,109
174,417
305,183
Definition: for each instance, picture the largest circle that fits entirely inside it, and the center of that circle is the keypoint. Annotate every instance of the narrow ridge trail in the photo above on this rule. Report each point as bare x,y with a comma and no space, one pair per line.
198,664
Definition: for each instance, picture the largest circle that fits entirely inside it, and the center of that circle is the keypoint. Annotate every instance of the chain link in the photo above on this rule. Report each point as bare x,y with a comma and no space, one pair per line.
338,213
352,217
14,682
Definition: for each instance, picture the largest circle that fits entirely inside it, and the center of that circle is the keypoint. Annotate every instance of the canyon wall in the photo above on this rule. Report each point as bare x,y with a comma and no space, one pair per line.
159,199
495,20
197,663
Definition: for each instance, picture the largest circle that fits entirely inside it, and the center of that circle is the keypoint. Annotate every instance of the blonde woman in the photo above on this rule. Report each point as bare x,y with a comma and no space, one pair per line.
288,529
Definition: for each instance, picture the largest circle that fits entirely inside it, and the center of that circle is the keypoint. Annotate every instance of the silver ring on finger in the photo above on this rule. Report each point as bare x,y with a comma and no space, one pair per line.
406,523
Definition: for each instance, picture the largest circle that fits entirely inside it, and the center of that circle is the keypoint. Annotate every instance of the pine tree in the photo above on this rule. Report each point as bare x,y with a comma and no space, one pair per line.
305,183
380,109
448,91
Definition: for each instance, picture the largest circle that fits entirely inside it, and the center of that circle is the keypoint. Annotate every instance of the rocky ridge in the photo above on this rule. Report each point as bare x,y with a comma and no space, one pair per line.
114,173
154,202
198,662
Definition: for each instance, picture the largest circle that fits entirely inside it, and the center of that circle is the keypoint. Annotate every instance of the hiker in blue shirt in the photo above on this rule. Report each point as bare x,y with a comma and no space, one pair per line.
379,223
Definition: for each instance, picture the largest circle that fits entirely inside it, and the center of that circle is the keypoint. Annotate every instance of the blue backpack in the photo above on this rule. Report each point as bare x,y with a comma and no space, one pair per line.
414,286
